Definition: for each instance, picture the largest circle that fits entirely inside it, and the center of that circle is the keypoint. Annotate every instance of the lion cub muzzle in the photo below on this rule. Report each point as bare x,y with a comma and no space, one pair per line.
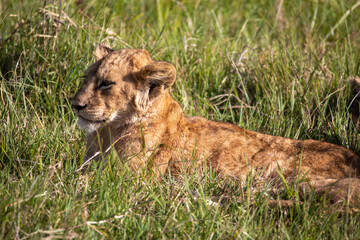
79,102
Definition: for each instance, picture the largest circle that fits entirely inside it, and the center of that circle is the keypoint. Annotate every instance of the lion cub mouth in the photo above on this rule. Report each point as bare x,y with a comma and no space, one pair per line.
92,125
89,125
92,121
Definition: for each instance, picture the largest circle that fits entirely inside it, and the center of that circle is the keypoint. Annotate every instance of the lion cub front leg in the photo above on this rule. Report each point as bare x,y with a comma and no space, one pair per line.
96,147
92,147
158,162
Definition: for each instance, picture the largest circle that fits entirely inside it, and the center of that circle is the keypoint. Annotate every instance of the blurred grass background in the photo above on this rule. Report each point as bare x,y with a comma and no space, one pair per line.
278,67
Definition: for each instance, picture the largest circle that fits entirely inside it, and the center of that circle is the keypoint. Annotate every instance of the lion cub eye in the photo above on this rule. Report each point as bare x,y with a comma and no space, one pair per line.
105,85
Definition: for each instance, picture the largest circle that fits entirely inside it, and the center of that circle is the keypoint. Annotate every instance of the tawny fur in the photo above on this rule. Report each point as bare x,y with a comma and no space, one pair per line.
125,103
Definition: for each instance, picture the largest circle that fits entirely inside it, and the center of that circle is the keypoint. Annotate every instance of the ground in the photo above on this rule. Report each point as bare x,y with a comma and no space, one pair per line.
273,66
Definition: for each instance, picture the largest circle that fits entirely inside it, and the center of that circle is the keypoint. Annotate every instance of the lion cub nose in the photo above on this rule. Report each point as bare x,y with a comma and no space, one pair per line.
78,106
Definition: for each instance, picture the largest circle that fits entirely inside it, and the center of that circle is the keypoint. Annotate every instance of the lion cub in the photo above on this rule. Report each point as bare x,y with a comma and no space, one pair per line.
125,103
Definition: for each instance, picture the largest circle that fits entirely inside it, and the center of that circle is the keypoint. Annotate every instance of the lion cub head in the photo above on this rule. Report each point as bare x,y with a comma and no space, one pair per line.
120,87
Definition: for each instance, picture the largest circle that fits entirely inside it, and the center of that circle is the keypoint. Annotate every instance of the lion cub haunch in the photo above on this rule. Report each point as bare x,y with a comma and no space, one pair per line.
125,103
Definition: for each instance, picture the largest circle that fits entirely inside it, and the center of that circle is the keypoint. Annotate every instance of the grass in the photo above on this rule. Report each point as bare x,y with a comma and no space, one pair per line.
278,67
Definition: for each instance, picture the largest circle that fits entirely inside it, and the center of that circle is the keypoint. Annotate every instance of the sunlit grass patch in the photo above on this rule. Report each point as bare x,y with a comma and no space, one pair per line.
277,67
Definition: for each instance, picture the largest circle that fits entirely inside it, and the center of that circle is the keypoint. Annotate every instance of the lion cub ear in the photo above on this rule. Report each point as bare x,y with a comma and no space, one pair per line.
101,50
153,80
